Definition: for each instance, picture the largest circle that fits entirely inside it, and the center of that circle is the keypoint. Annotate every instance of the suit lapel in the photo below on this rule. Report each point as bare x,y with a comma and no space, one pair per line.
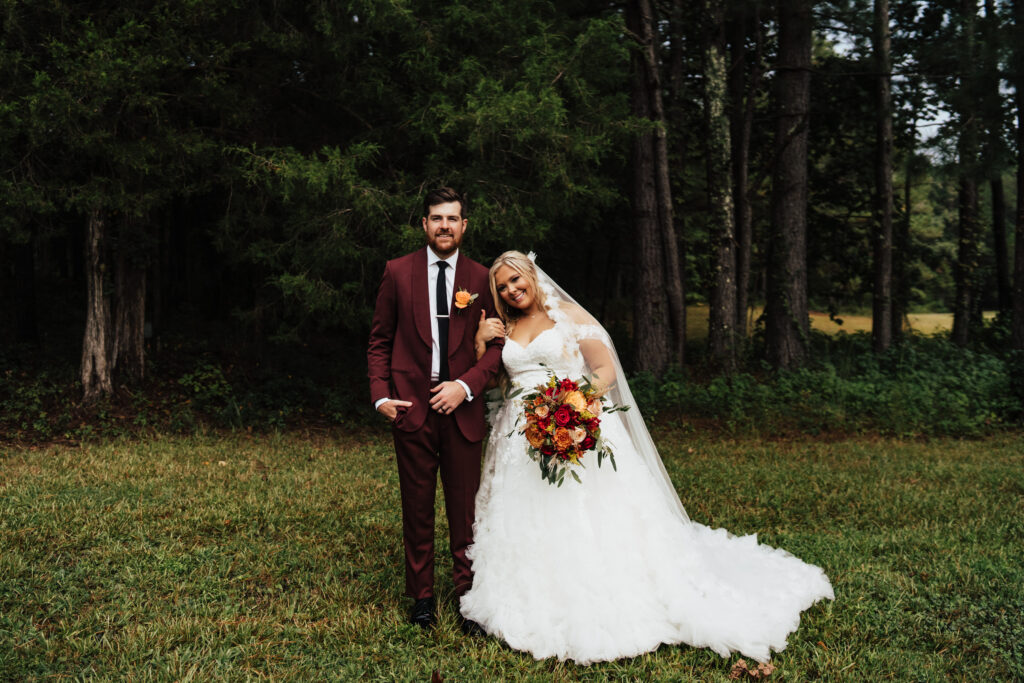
457,322
420,296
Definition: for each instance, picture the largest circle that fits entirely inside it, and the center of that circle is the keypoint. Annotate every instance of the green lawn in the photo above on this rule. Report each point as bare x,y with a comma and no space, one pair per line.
922,323
278,557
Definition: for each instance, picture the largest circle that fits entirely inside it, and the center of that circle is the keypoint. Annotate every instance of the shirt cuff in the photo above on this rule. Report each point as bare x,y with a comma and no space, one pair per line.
469,394
380,402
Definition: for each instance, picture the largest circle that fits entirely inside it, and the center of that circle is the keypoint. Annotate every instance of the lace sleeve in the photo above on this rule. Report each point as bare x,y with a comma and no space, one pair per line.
588,338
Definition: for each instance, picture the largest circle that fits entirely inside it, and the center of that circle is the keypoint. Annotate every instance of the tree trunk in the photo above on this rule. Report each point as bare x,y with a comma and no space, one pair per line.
994,157
97,367
650,317
881,319
675,120
721,226
999,250
901,254
130,319
1017,331
659,313
786,323
966,266
741,98
666,213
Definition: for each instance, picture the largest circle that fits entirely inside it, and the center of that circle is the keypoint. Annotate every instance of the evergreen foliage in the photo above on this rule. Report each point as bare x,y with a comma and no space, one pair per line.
254,164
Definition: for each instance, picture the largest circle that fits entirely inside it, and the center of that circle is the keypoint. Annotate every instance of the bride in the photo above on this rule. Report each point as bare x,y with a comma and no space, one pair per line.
610,567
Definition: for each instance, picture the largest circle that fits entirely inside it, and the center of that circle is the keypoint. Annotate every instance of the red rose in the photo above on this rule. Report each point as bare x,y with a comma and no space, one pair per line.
549,391
593,425
569,385
563,416
587,443
547,449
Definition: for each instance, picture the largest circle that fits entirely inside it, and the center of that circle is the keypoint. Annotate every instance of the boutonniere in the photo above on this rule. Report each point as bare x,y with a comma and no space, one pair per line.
463,298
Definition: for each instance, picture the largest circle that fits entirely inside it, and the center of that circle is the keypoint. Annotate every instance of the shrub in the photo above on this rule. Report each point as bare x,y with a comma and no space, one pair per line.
925,385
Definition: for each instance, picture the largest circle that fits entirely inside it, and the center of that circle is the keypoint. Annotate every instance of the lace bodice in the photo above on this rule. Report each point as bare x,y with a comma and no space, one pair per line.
552,351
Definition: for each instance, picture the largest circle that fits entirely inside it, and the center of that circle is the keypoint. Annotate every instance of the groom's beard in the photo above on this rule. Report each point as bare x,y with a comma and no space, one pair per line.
453,244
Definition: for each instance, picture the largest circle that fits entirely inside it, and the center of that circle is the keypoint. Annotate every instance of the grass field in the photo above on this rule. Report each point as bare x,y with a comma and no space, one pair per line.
240,557
922,323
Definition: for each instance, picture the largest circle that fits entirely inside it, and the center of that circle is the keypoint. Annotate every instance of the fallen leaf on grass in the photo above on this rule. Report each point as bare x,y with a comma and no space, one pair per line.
436,677
741,670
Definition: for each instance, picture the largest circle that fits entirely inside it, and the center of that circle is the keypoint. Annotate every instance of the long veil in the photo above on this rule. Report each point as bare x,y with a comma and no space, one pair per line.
563,309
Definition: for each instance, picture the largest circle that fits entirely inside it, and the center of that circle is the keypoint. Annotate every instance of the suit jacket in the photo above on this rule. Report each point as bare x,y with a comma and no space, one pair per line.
399,350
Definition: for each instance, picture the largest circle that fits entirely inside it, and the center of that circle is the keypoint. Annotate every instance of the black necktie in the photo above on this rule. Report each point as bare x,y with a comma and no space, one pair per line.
442,322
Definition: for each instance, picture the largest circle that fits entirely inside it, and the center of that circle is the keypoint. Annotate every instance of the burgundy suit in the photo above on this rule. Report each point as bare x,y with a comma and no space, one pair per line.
399,357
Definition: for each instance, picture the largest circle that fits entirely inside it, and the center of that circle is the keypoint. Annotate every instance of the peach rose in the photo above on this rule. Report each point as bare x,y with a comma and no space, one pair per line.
576,400
578,434
541,411
594,406
463,299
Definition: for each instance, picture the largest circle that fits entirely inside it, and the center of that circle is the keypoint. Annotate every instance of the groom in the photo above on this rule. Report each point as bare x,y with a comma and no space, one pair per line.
426,380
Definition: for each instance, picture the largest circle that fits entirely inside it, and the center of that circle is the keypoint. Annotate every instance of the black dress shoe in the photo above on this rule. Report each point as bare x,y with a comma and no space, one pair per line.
471,628
422,613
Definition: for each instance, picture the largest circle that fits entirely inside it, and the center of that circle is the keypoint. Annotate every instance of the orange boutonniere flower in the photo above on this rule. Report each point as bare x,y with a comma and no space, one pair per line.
464,298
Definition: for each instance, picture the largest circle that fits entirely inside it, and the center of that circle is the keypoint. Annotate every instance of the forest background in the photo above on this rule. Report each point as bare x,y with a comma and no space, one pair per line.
198,199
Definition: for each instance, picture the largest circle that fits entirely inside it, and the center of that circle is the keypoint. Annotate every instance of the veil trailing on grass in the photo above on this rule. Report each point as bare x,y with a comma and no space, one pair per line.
595,342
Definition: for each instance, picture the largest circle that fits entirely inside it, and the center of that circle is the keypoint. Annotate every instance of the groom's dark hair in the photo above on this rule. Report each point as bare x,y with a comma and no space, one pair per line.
443,195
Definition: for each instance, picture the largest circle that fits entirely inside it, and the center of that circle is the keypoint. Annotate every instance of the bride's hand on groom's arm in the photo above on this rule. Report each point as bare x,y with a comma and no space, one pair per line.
487,329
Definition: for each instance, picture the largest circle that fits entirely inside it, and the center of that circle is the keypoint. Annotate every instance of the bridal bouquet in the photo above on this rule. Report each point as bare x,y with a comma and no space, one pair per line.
563,424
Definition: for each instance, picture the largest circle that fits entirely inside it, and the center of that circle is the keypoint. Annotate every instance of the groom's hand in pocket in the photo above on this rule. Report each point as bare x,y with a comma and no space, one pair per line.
447,396
389,409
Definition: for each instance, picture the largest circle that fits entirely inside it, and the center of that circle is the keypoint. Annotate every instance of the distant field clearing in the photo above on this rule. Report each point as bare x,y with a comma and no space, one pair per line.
924,323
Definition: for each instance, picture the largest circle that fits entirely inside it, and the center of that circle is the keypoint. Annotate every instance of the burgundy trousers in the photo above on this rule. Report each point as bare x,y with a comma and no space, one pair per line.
437,445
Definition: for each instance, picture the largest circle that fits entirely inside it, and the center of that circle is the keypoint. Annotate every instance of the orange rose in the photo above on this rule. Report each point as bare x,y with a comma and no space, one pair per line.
534,436
541,411
576,400
563,438
464,298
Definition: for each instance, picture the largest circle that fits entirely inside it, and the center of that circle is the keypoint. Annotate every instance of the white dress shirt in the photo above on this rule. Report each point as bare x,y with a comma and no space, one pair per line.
449,279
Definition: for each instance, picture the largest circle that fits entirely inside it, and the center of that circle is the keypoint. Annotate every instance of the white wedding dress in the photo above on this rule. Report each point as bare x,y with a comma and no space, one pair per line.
612,567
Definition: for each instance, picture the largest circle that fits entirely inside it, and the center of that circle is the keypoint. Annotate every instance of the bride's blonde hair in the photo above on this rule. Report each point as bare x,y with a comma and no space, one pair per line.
521,263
